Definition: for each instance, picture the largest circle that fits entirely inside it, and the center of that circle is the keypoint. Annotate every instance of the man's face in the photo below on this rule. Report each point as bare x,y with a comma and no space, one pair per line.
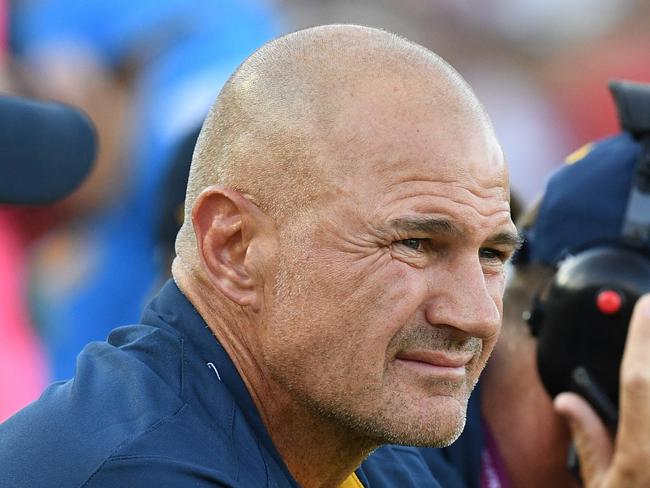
388,298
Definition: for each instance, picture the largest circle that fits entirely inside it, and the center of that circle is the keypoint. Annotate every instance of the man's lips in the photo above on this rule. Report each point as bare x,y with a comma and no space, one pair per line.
443,362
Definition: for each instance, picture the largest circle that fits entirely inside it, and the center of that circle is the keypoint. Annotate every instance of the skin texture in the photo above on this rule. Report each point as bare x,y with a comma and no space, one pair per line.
359,296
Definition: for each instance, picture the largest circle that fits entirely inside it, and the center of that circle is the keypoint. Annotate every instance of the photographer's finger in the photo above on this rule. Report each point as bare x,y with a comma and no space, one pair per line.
633,437
590,436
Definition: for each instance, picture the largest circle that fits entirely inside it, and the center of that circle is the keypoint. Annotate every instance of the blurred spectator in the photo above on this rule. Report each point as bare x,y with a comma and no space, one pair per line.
23,371
543,26
168,60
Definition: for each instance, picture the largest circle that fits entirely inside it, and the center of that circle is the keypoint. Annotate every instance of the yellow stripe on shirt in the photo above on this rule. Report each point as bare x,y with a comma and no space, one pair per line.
351,482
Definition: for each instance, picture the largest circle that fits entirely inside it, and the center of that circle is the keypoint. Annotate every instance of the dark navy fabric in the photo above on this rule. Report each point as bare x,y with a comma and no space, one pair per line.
598,185
400,466
159,404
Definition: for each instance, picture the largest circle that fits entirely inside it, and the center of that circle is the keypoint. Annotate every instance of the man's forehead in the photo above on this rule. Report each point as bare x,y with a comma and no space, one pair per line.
394,130
401,172
410,140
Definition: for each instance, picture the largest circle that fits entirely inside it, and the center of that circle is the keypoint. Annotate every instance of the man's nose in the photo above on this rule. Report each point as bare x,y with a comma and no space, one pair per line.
460,298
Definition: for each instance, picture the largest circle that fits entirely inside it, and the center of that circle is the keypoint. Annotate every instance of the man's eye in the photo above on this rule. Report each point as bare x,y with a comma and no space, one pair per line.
415,244
492,255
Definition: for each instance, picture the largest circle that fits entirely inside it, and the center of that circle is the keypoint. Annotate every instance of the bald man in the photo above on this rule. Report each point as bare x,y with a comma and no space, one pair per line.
337,284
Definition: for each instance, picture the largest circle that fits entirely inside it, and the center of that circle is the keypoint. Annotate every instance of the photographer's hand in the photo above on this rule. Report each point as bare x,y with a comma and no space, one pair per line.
625,462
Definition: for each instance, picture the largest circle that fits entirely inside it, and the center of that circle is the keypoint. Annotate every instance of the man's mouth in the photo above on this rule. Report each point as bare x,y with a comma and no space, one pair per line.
445,363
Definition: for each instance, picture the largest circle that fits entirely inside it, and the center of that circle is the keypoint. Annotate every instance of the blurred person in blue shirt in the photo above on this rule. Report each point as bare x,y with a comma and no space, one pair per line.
149,71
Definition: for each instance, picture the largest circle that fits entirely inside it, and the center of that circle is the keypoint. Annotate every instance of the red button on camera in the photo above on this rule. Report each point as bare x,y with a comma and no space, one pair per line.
609,302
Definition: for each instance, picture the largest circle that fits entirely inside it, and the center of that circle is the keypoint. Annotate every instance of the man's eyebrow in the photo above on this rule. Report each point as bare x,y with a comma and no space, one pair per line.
426,225
442,226
507,238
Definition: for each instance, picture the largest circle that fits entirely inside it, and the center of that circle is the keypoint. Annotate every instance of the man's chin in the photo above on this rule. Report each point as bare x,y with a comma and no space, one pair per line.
437,436
438,426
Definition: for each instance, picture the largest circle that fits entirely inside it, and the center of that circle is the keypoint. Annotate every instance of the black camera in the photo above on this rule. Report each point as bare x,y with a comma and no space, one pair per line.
583,323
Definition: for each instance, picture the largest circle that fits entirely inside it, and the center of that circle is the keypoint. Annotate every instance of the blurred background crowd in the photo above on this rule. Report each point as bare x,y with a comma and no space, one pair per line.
147,71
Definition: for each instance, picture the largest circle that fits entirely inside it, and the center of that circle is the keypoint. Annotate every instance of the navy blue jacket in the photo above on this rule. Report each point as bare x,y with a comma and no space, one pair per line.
160,404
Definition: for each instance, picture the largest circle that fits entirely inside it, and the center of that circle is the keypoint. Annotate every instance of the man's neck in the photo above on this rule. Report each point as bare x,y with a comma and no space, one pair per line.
317,451
313,450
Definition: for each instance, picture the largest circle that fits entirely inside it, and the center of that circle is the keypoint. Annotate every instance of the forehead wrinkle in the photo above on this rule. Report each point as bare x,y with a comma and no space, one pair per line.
495,208
503,207
479,191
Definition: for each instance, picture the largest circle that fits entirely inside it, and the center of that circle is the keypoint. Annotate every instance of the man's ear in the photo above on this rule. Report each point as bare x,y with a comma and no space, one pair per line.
225,222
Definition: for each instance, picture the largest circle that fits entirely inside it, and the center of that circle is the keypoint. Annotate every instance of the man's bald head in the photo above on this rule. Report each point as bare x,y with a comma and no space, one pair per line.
271,132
